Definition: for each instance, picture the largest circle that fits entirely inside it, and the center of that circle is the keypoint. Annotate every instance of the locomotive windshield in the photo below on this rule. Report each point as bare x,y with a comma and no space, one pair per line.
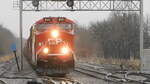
63,26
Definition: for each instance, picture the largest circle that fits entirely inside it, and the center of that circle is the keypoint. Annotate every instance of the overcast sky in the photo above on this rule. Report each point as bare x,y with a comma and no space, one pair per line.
9,17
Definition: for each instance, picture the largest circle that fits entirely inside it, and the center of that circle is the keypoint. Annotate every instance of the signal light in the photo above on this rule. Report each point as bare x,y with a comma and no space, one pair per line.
64,50
45,50
55,33
35,3
70,3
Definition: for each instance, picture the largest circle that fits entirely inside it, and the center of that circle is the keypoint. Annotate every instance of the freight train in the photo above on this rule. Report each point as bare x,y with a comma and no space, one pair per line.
50,46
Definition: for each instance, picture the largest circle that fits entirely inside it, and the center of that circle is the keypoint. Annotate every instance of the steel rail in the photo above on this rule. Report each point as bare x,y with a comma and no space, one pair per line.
113,78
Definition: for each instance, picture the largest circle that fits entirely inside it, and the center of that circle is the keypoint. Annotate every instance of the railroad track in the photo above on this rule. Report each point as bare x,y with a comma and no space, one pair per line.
43,80
4,69
6,66
112,77
99,75
2,82
92,70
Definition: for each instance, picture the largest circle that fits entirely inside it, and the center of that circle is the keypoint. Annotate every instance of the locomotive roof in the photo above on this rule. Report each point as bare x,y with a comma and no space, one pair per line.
54,20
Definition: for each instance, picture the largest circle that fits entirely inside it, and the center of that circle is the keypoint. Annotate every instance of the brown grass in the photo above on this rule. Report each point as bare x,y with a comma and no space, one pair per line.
132,64
6,58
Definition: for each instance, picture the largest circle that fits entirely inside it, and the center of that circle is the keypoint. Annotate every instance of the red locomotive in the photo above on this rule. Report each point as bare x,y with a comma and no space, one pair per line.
50,46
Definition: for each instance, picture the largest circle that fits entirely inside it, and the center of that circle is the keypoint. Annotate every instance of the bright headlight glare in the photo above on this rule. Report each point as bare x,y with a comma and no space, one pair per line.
55,33
64,50
45,50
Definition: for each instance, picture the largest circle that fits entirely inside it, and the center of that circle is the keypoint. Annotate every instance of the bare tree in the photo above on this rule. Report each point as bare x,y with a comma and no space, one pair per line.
6,39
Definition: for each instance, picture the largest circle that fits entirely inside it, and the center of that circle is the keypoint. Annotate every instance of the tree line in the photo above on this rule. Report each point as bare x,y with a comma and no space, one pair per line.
6,40
116,37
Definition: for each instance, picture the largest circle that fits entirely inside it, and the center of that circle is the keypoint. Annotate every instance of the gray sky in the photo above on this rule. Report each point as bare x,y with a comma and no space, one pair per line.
10,18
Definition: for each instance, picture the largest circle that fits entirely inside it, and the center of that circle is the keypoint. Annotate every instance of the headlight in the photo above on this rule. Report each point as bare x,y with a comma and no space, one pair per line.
55,33
64,50
45,50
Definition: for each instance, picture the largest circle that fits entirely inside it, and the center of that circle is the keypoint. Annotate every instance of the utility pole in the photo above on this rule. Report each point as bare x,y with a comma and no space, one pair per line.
141,35
20,25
